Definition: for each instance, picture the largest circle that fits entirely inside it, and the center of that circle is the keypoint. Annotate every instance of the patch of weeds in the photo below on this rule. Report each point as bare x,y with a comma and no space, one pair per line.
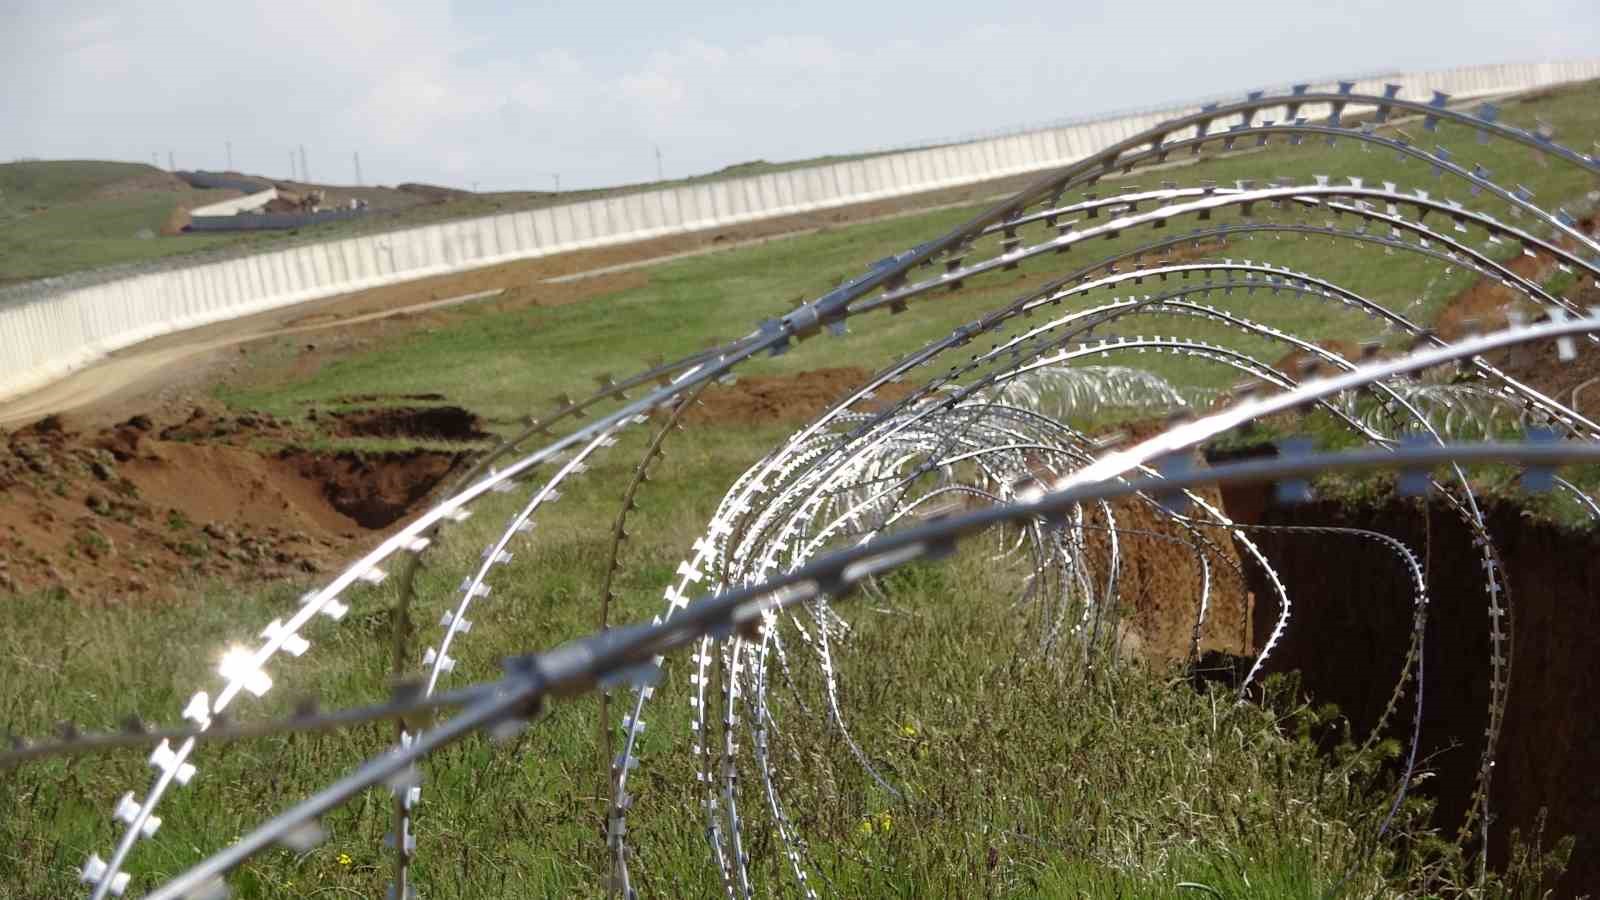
93,543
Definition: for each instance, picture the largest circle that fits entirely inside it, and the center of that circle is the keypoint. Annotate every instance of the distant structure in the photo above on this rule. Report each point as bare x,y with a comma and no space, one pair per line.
264,206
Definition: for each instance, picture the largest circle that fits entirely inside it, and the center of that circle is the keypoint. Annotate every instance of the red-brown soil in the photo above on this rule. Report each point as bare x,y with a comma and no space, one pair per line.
136,510
1159,583
1483,306
1295,362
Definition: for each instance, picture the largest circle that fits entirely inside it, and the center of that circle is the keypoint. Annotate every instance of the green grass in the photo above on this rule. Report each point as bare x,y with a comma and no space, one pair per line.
52,221
1020,779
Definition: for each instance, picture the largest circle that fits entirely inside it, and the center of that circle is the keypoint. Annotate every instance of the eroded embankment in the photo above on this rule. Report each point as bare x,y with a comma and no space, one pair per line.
140,508
1352,620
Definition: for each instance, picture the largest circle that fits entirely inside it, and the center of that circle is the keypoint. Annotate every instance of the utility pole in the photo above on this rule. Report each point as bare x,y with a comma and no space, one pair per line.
230,156
292,169
659,175
358,169
155,159
305,172
171,166
557,177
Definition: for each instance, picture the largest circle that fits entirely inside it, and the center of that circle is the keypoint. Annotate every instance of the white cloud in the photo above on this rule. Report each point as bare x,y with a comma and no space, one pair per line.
509,96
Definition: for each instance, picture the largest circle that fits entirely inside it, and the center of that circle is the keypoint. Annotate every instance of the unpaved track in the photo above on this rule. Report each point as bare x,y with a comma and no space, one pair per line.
139,369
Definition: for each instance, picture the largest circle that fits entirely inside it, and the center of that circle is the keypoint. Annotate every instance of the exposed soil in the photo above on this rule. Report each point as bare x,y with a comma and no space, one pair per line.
1298,363
434,423
1483,306
800,397
1540,367
1351,622
1159,580
139,509
373,490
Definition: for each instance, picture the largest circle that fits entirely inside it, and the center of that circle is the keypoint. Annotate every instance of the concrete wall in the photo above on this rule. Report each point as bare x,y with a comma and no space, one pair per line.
237,204
45,334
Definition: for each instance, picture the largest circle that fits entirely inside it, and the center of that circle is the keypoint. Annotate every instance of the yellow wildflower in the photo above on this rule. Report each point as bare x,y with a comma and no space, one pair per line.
879,823
344,859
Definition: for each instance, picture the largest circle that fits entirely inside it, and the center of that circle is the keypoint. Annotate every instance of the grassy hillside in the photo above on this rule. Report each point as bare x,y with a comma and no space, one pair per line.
64,216
58,217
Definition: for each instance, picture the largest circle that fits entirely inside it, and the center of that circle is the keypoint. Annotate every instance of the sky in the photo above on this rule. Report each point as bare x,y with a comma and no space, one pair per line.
506,95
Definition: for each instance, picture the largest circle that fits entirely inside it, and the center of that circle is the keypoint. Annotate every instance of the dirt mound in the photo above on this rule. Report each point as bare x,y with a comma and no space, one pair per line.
1575,382
203,424
136,509
176,221
435,423
1483,306
784,398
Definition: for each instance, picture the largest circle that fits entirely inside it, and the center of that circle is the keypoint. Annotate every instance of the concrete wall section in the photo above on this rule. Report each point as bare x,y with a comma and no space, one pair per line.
51,330
237,204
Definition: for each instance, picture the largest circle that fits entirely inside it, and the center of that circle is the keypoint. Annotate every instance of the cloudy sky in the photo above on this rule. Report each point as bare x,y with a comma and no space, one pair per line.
504,94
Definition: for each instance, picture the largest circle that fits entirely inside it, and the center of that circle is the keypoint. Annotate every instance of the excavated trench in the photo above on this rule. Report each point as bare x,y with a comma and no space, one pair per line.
438,423
375,490
1351,623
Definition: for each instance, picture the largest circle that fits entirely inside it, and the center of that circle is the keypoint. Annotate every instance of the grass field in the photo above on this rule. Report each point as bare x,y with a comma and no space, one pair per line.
1019,782
53,220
